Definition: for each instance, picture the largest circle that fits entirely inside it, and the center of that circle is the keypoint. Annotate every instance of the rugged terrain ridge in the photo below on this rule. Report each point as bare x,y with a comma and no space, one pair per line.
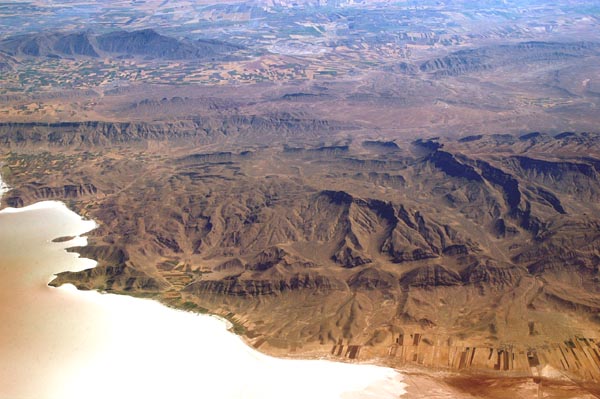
477,253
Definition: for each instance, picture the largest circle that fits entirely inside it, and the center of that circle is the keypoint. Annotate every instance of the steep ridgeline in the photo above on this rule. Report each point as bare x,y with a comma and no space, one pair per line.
89,135
475,254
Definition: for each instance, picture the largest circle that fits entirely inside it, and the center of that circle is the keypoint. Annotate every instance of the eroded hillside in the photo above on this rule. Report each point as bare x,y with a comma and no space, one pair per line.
479,253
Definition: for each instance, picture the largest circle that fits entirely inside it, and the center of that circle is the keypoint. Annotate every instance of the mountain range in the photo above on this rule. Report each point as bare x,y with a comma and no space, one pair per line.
141,43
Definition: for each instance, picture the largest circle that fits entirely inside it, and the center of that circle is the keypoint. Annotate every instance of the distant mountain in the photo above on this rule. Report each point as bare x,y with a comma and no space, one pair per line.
147,43
75,44
53,44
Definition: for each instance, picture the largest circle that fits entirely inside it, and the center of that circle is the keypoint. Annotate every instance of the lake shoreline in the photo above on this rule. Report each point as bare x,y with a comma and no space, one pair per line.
382,377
